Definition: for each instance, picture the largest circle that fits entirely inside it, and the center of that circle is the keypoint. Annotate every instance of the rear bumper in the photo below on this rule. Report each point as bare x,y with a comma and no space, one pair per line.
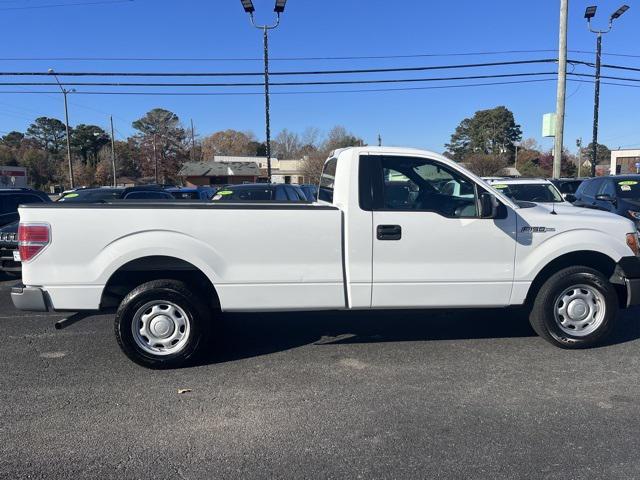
627,273
29,298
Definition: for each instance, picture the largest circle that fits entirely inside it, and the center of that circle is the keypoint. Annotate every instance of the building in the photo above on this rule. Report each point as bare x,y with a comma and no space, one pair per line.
219,173
13,177
224,169
289,171
625,161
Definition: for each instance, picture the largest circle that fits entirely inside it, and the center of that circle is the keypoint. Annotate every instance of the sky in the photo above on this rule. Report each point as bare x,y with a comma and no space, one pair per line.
216,36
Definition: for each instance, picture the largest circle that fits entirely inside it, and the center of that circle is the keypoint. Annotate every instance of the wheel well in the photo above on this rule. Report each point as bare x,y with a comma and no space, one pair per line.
596,260
146,269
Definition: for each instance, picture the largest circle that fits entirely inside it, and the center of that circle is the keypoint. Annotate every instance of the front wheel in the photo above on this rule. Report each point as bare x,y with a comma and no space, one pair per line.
576,308
162,324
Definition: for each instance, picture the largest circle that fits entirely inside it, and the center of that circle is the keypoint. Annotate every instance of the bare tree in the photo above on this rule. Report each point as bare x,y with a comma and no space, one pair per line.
229,142
287,145
485,165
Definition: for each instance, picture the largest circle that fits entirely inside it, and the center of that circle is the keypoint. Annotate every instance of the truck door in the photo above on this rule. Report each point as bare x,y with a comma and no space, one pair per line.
430,248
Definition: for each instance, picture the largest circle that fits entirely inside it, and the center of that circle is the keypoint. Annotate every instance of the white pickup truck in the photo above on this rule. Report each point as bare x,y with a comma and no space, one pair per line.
393,228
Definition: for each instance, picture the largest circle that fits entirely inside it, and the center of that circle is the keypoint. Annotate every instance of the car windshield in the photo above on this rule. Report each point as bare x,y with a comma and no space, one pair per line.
90,196
253,194
531,192
568,187
628,188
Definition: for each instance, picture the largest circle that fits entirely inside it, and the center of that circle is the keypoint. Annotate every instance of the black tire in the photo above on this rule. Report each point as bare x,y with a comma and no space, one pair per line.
198,314
543,317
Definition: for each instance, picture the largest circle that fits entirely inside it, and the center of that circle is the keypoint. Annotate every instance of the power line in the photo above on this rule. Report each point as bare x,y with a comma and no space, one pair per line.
289,84
59,5
283,73
301,92
316,58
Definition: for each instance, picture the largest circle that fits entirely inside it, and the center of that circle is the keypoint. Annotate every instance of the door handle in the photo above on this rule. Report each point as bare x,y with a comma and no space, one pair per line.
389,232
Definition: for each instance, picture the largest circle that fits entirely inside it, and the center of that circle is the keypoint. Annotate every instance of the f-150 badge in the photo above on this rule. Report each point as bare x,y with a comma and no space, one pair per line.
537,229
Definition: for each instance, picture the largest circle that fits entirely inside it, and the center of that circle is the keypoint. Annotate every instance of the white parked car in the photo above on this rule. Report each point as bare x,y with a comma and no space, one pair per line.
393,228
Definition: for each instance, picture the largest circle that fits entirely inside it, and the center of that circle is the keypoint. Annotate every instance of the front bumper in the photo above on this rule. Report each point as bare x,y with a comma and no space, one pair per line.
31,299
627,273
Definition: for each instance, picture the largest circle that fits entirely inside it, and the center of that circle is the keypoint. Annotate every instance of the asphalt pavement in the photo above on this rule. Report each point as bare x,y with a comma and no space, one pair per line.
462,394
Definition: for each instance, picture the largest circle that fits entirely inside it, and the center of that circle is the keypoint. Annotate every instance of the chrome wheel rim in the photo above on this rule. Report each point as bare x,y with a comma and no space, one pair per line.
580,310
161,327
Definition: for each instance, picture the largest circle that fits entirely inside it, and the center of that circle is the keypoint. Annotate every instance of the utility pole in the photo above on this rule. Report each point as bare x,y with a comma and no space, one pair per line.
155,158
113,153
279,9
66,125
562,88
589,13
193,142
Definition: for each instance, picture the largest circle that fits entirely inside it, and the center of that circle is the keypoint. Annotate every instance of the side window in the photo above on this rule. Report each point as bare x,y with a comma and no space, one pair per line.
10,203
426,185
591,188
608,189
281,195
327,180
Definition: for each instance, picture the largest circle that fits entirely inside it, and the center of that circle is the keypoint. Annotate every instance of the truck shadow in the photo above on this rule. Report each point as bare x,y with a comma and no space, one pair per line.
251,335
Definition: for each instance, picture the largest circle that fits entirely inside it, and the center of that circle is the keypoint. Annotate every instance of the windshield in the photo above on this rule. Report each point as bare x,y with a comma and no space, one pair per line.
628,188
531,192
90,196
243,194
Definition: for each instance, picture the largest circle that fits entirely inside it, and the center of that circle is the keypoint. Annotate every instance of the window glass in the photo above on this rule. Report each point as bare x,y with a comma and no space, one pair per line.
281,194
590,187
230,194
89,196
327,180
532,192
186,195
568,187
419,184
10,203
628,188
608,188
148,196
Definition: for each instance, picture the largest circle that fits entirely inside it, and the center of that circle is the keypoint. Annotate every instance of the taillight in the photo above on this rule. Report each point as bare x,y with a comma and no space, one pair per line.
32,239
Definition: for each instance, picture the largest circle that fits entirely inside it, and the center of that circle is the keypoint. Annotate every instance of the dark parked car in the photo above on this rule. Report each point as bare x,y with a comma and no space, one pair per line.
617,194
11,198
567,186
9,233
96,195
260,192
200,193
310,191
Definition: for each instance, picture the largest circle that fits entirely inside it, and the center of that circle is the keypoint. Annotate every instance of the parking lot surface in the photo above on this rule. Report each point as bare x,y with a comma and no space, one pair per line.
325,395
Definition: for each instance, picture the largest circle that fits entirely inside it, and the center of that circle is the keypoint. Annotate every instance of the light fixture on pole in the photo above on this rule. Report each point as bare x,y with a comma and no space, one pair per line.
66,123
278,9
589,13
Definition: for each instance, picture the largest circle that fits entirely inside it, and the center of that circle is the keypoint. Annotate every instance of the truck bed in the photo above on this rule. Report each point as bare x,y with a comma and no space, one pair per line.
259,256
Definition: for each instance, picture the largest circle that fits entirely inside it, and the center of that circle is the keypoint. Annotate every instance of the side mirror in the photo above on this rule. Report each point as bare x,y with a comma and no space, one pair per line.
570,197
488,205
605,197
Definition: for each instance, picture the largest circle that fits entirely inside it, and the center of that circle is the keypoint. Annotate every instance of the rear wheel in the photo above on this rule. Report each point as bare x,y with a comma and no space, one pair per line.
162,324
575,308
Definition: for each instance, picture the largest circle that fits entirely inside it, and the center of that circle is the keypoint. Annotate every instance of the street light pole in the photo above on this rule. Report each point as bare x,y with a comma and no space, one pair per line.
66,124
279,8
589,13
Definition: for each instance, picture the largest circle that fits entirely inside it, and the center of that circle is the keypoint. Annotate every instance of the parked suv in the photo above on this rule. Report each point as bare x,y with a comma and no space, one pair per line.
567,186
260,192
9,201
617,194
11,198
